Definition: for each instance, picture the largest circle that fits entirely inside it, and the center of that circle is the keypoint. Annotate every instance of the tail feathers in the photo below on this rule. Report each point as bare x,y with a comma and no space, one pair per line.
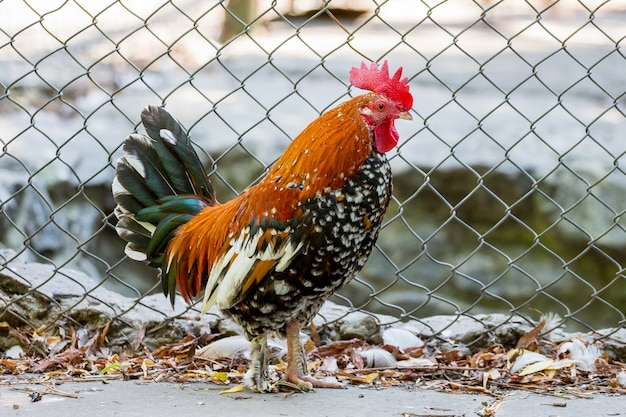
160,184
139,174
180,163
136,234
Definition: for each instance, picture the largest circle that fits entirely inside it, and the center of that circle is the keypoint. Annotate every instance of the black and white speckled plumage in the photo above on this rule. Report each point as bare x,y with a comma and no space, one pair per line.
340,230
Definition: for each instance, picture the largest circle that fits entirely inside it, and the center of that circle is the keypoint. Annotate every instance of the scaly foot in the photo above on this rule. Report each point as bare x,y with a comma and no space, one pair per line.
307,382
297,374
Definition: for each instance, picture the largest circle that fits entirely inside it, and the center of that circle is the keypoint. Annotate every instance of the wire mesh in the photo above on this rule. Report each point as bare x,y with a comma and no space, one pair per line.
508,190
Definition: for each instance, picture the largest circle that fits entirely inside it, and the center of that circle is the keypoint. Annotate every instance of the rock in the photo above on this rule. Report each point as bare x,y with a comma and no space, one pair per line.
37,295
14,352
614,343
227,347
360,325
401,338
378,358
19,304
238,346
477,332
336,322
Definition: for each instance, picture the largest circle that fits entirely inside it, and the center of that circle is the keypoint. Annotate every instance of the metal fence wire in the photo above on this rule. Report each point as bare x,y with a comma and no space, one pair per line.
509,185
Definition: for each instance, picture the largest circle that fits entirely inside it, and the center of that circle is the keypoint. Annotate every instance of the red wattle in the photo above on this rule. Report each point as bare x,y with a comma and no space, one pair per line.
386,137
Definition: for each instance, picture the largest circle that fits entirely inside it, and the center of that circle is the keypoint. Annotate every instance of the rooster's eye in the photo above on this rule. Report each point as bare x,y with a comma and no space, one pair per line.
380,107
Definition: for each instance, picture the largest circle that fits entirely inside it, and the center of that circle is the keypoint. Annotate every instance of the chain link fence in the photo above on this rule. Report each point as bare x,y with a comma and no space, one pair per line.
509,184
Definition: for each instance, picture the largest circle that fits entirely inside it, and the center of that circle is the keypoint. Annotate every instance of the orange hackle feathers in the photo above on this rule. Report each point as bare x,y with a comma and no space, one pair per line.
315,163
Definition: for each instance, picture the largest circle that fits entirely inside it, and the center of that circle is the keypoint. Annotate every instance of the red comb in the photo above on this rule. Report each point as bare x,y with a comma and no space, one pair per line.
378,81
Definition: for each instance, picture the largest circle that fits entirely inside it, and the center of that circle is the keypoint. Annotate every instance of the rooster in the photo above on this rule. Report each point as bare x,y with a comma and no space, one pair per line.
272,255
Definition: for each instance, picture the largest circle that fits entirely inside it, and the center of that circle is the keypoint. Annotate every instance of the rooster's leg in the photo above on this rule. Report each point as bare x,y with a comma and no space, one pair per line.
257,378
297,372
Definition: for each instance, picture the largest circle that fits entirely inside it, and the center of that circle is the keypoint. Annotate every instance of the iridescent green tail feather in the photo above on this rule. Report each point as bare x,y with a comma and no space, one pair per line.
159,185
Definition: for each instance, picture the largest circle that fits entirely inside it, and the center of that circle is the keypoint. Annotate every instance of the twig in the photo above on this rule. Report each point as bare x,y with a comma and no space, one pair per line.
48,390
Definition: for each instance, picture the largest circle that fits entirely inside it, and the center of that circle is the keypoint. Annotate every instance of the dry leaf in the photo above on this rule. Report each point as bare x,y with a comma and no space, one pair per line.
315,336
145,364
450,356
491,409
231,390
69,356
492,374
536,367
514,353
221,376
360,380
49,375
530,340
309,346
329,364
339,347
372,377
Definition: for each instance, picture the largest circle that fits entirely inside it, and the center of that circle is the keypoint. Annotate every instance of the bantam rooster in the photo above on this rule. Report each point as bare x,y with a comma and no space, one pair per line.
272,255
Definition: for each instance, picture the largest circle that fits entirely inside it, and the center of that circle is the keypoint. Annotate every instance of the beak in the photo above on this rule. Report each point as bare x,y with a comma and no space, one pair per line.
405,115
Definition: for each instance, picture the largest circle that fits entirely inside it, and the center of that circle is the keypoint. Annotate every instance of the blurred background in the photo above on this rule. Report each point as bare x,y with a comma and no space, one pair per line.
509,184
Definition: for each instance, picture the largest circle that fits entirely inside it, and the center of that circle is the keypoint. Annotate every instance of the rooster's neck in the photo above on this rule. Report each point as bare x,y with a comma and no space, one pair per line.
327,152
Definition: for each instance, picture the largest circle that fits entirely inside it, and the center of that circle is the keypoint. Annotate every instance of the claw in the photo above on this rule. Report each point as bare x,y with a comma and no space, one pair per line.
256,384
306,383
297,373
286,386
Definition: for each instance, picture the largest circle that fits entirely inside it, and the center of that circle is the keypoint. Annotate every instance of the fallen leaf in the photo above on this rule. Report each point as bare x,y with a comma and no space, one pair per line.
231,390
492,374
450,356
141,333
530,340
360,380
514,353
372,377
491,409
309,346
49,375
329,364
68,356
145,364
110,367
338,347
563,363
536,367
221,376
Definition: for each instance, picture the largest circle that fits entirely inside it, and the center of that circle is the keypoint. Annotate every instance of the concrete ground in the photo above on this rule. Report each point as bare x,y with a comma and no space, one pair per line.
119,398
